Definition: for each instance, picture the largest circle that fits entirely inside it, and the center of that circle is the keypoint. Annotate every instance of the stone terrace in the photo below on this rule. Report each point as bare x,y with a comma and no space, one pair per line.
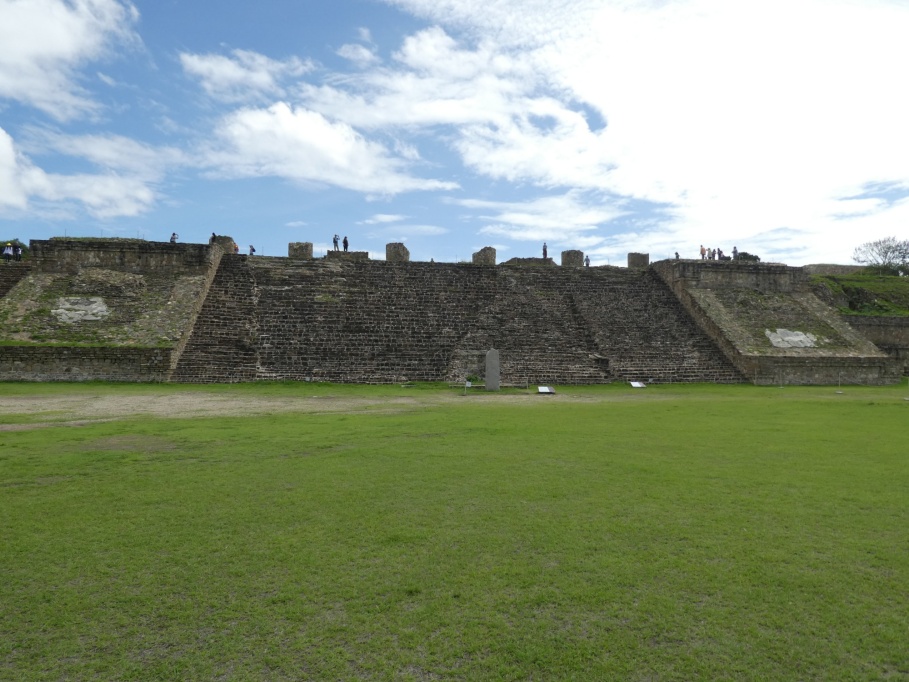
379,322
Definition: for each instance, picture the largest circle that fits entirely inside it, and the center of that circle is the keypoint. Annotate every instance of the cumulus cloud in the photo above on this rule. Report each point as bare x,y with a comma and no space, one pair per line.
749,121
43,43
109,194
242,76
305,146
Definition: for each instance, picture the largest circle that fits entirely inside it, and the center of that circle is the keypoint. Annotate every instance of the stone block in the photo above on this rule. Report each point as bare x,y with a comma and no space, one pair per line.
572,259
397,253
485,256
300,250
638,260
491,379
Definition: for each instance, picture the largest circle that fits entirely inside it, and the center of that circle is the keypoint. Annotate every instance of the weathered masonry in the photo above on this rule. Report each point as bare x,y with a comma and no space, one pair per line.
143,311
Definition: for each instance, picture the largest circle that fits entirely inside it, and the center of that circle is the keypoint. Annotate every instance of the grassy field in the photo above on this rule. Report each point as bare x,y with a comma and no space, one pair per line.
389,533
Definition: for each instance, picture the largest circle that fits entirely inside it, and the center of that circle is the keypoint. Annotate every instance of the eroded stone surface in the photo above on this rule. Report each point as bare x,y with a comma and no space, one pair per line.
71,309
784,338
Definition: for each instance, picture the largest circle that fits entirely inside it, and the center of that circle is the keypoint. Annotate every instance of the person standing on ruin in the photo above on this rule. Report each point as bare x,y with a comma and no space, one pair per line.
252,250
544,250
703,252
174,237
735,253
8,251
334,240
345,243
586,261
17,252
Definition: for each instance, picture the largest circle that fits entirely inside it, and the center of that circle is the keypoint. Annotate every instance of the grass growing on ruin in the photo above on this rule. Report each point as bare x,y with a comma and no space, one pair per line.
677,532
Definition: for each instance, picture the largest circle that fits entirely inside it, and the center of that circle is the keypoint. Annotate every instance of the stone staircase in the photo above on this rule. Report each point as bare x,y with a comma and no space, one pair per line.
10,274
380,322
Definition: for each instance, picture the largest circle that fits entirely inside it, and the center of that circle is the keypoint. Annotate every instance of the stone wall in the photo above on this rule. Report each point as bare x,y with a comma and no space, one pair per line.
830,269
890,334
61,363
116,306
206,316
124,255
378,322
772,327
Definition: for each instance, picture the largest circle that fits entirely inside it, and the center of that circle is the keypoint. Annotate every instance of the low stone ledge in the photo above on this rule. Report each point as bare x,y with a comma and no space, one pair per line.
347,255
78,363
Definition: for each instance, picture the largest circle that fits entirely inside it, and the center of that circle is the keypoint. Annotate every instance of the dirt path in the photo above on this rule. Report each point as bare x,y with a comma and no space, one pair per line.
83,407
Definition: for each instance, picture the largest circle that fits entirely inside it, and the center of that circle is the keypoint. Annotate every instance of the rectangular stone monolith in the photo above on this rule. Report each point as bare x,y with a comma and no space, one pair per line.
300,250
572,259
492,370
396,252
485,256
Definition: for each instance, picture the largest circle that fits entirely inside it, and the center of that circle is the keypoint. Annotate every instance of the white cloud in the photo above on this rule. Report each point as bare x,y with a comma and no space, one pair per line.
245,75
43,43
113,153
380,218
303,145
433,82
745,119
103,195
569,217
402,232
358,54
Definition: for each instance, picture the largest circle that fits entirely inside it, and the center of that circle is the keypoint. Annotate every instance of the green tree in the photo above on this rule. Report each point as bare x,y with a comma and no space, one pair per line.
887,256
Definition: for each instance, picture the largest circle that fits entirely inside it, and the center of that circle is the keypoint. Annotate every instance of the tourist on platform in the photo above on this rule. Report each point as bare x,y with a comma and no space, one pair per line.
703,252
735,253
334,240
544,250
252,250
17,252
586,261
8,251
211,240
345,243
174,237
676,255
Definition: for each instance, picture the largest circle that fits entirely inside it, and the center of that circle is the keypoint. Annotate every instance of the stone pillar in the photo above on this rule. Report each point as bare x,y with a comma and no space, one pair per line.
638,260
225,242
491,378
485,256
300,250
572,259
397,253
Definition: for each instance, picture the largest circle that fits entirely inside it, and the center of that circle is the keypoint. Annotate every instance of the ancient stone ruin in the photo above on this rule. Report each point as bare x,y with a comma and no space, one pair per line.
131,310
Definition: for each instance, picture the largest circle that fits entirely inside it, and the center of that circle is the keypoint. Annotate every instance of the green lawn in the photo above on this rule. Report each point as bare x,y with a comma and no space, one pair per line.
669,533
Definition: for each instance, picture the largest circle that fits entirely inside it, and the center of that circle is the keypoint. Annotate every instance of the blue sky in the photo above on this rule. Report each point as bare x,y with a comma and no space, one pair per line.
604,125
